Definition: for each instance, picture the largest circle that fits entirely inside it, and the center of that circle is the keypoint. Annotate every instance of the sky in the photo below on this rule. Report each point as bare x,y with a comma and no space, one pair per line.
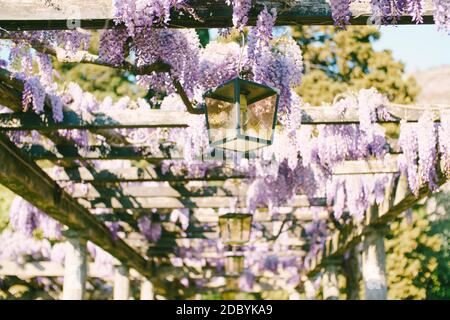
419,47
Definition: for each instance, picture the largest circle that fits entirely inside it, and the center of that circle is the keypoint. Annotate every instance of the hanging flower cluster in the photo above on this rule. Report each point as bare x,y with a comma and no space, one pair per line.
390,11
419,143
241,8
25,218
340,10
150,229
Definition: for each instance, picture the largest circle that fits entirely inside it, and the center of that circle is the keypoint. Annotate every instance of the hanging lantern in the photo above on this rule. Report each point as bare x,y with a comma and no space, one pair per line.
234,263
235,228
232,283
241,115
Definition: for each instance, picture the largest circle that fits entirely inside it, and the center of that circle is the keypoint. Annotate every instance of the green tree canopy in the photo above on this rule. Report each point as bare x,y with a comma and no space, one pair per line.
339,61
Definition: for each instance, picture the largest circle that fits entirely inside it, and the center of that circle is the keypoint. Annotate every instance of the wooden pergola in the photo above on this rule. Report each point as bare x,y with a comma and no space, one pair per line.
26,170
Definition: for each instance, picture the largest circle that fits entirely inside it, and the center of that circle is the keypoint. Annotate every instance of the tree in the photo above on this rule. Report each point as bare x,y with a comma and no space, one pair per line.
418,253
338,61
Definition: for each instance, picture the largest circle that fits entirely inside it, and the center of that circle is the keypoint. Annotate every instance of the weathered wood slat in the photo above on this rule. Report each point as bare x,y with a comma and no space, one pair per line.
82,174
37,14
97,120
26,179
178,203
71,153
154,173
200,217
139,118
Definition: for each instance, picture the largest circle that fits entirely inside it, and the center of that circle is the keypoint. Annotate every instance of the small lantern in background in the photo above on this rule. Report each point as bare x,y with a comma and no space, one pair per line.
235,228
232,283
241,115
234,263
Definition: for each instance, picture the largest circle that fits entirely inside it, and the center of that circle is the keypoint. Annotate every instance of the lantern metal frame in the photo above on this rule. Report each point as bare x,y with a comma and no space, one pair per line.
225,227
238,83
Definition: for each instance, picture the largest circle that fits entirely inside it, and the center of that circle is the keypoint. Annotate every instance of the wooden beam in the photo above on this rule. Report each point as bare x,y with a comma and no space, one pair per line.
35,14
197,216
110,119
134,174
26,179
71,153
178,203
138,118
154,173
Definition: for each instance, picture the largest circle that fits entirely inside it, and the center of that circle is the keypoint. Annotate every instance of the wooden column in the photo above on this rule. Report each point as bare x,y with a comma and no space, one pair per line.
352,272
374,260
147,291
330,281
75,269
310,289
122,283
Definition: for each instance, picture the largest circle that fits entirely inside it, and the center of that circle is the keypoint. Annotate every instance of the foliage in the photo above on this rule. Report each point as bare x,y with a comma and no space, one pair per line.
336,62
6,198
418,264
98,80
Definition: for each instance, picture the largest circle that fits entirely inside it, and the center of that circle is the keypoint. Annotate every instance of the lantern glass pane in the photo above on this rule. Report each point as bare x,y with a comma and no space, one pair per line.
222,119
235,230
257,119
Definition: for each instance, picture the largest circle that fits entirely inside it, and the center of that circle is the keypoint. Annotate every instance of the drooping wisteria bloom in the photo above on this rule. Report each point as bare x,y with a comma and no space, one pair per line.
416,9
442,14
218,63
408,161
179,48
15,246
26,218
112,46
150,229
259,37
427,149
241,8
145,14
280,67
34,95
444,142
340,10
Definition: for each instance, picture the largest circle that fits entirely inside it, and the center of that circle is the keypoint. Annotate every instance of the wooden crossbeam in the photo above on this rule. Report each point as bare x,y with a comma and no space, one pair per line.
110,119
26,179
91,192
134,174
71,153
198,215
35,14
154,173
178,203
138,118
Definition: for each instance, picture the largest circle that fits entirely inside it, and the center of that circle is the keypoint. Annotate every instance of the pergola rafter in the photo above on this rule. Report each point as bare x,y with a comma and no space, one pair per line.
33,15
106,189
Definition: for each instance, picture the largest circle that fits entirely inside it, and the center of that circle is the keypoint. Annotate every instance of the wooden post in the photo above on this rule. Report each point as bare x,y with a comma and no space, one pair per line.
330,281
75,269
374,261
352,272
147,292
310,289
121,283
